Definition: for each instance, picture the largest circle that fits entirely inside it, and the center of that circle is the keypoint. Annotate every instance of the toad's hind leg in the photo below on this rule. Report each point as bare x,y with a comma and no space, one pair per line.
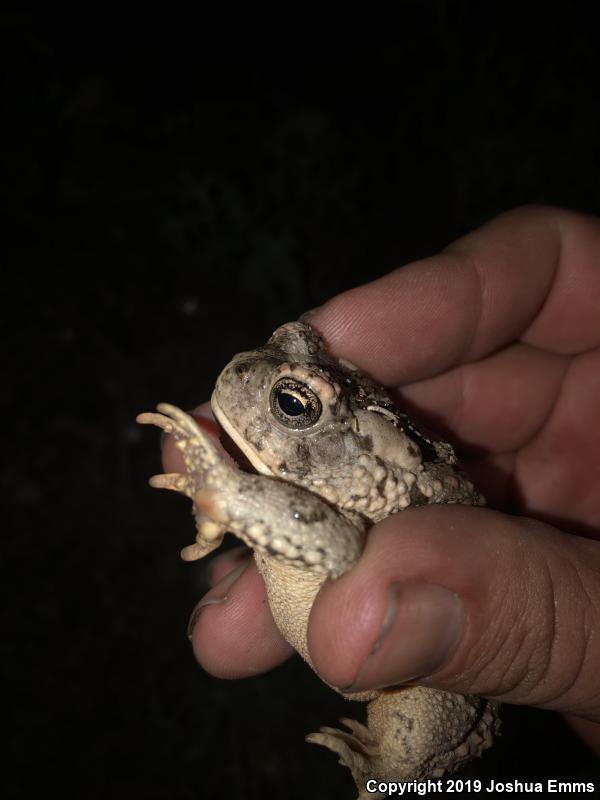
414,733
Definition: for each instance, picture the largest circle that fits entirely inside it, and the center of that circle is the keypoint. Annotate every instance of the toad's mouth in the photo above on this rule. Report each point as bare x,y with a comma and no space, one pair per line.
233,449
234,452
228,449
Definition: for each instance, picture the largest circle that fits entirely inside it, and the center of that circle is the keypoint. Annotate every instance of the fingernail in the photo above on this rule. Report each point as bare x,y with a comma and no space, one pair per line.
421,628
221,566
308,314
218,595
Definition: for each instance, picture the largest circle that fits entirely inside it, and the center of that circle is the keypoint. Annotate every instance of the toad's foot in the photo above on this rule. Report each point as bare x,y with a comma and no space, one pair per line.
203,463
414,733
356,750
274,518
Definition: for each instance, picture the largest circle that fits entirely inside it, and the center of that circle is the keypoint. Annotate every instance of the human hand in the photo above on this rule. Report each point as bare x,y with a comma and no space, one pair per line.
496,339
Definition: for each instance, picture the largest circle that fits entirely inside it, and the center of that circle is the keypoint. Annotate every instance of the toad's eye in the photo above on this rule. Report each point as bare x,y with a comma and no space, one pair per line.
294,404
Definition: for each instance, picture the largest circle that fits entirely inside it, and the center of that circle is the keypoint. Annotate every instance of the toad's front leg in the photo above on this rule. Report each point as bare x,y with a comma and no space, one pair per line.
277,520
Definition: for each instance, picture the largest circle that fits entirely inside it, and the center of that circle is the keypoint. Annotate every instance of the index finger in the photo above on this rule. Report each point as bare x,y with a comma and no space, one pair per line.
531,274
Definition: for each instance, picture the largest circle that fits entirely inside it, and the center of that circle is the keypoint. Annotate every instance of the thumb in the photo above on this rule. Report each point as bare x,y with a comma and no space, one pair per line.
468,600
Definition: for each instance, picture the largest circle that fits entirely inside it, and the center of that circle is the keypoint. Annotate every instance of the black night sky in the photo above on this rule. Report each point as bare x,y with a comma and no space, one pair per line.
171,195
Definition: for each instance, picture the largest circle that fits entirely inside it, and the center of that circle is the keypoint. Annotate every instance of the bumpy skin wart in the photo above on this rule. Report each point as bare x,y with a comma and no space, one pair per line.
333,455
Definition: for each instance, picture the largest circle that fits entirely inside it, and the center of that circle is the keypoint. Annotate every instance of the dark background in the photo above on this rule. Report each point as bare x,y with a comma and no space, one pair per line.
172,194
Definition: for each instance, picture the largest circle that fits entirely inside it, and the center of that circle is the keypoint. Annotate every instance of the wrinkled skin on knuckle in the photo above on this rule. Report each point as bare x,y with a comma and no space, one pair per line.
535,642
512,653
575,686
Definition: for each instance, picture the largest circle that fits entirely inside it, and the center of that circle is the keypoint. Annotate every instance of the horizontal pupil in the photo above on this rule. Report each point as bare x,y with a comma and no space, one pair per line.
290,405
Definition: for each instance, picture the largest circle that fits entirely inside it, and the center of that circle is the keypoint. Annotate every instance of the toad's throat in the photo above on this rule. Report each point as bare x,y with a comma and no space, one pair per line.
239,449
